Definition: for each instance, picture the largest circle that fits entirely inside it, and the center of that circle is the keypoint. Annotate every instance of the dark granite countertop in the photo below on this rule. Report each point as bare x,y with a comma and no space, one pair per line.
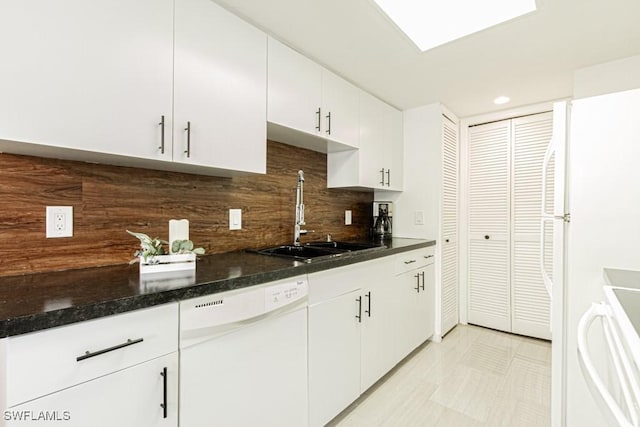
39,301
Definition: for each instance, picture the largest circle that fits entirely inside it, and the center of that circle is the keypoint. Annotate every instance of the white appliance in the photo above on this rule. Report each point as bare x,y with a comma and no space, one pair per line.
603,198
243,357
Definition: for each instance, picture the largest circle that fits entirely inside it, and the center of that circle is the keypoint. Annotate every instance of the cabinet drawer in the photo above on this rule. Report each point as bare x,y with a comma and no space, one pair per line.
414,259
43,362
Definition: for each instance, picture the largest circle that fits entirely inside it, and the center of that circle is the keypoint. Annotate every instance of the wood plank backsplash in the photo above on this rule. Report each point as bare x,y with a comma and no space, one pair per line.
107,200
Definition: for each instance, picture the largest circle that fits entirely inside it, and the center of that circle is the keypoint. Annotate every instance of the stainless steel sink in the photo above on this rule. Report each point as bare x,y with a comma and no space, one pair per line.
302,253
316,250
347,246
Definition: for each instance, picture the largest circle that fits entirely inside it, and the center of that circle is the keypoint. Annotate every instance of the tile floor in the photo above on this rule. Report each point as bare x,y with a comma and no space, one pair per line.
474,377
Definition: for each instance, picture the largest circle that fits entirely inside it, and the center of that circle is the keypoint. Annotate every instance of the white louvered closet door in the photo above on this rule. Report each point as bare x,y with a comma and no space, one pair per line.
449,238
489,293
529,298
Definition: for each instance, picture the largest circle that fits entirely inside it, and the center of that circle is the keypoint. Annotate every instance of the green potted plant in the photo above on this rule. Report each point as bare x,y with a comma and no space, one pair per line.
153,257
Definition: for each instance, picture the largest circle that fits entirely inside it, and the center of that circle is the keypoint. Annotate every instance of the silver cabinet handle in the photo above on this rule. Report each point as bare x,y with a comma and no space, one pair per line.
410,261
382,174
161,148
89,354
428,256
388,177
318,113
328,116
188,129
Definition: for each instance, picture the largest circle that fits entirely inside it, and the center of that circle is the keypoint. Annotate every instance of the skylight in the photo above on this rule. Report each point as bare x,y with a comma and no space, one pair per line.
431,23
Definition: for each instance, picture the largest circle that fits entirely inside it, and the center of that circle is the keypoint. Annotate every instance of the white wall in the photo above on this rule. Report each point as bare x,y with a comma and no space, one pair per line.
614,76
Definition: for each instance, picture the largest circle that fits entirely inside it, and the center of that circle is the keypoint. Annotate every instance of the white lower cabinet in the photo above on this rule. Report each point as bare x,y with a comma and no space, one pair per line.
117,370
334,357
415,319
359,317
136,397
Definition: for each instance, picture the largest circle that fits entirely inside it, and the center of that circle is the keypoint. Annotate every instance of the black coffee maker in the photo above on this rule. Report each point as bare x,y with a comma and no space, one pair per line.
382,220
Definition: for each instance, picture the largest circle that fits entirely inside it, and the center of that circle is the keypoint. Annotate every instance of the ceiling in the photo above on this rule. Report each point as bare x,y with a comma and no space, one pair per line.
530,59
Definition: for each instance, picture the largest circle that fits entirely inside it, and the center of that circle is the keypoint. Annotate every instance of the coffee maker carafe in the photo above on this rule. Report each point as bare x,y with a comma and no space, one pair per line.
382,220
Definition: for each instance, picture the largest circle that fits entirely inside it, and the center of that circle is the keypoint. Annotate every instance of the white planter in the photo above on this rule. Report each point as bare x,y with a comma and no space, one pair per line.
166,263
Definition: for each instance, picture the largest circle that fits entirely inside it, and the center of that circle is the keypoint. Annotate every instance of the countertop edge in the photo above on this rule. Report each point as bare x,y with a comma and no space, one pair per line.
79,313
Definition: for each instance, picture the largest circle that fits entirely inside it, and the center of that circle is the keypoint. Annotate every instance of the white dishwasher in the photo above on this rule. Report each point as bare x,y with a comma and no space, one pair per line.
243,357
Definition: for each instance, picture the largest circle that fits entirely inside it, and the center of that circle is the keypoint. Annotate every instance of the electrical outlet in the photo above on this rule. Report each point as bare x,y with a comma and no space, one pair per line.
59,221
347,217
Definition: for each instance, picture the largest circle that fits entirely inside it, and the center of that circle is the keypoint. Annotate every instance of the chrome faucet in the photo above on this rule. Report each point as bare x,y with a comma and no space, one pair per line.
299,210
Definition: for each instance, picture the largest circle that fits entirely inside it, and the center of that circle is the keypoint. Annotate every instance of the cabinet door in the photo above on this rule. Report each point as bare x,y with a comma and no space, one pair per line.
424,326
378,331
392,148
489,206
92,76
449,228
373,120
219,89
334,356
340,110
531,304
295,89
133,397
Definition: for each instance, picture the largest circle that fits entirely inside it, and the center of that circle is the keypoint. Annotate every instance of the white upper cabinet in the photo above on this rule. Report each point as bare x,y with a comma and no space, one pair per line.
308,98
92,76
377,164
109,81
220,89
340,110
295,89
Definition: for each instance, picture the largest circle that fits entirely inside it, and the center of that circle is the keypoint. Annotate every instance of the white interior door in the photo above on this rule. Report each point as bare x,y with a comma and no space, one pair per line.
489,299
449,238
530,300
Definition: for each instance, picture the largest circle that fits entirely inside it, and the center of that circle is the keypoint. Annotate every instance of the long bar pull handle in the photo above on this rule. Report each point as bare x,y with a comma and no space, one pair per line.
422,286
411,261
428,256
388,177
161,148
328,116
382,174
188,129
368,310
90,354
359,316
163,405
417,276
319,114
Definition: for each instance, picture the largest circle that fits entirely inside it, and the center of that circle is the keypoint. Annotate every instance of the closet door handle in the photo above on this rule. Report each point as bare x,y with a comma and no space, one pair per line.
328,131
163,405
368,310
188,129
161,148
89,354
359,315
318,121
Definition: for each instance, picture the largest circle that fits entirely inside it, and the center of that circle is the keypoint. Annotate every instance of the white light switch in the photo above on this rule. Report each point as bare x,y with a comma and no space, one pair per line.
235,219
347,217
419,218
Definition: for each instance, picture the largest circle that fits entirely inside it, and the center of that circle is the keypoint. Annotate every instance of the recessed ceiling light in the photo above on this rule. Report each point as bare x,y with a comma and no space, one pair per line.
433,23
501,100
